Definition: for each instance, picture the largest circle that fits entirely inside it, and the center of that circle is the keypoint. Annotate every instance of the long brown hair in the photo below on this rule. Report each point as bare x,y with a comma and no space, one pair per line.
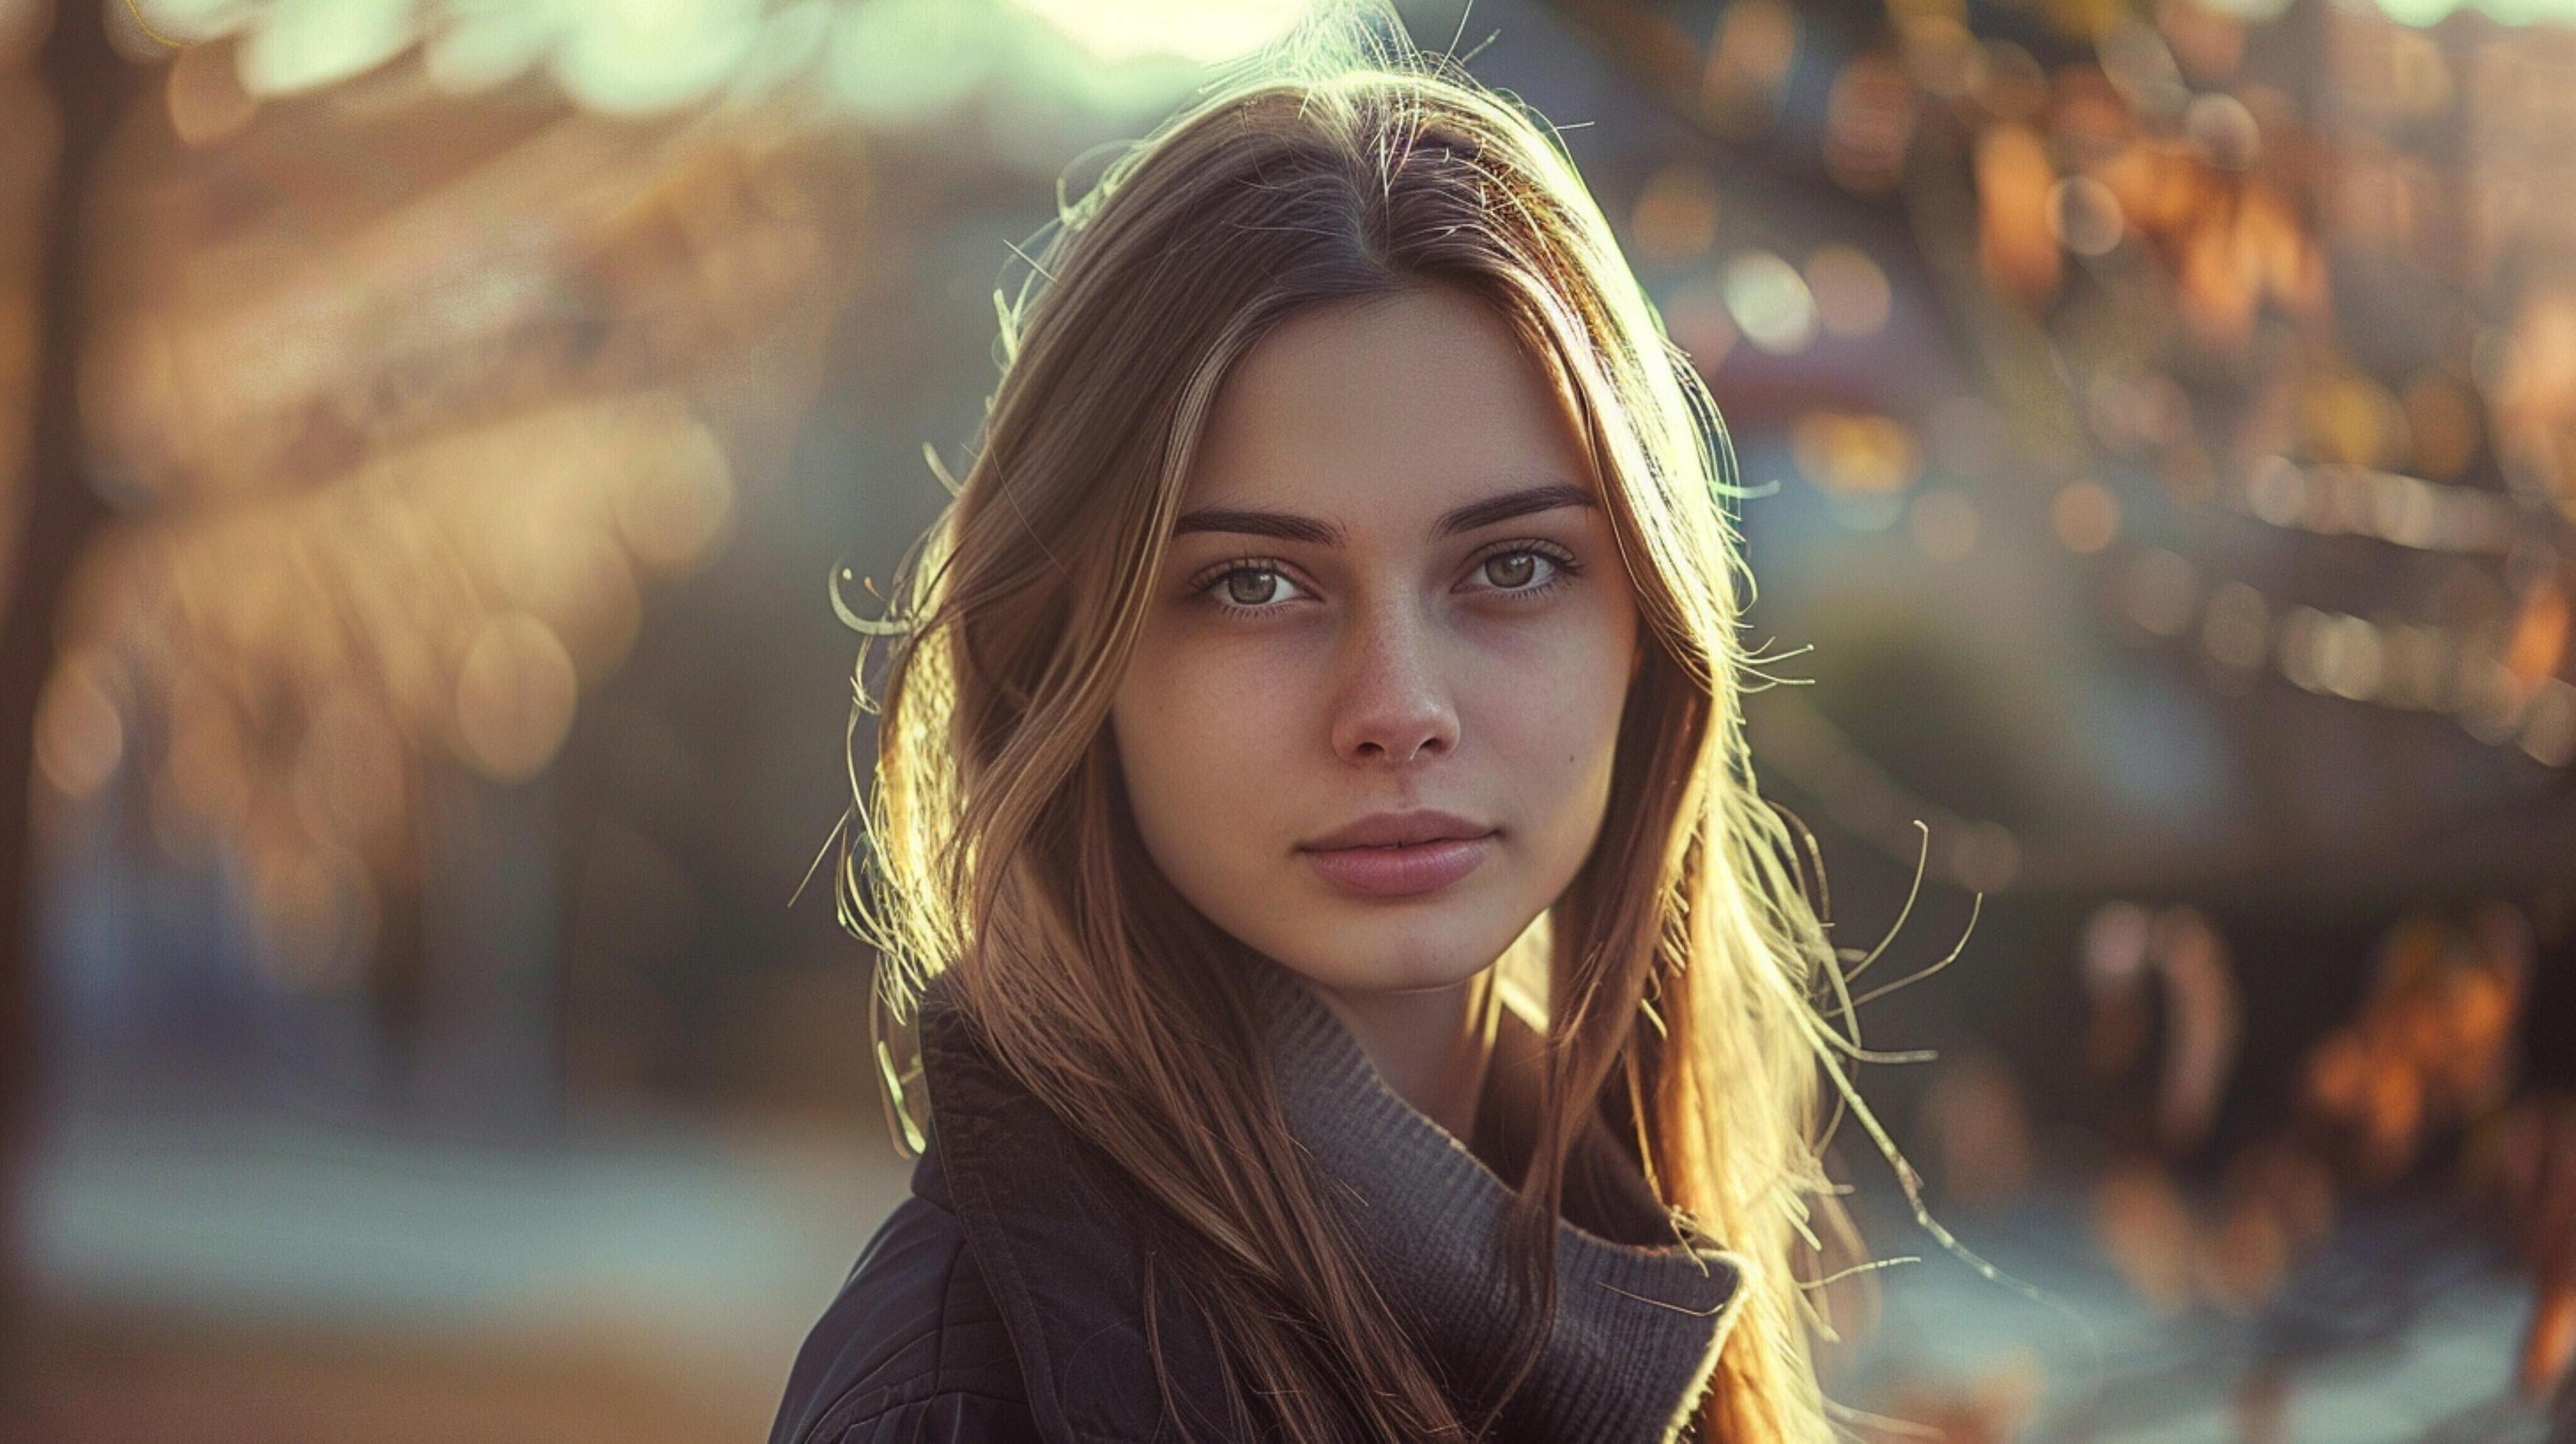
1684,962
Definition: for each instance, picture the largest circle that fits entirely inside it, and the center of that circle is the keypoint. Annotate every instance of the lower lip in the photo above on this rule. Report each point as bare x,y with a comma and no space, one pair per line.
1401,871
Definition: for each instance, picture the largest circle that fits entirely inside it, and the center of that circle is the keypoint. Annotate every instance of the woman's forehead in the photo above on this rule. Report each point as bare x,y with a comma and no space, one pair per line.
1509,494
1420,402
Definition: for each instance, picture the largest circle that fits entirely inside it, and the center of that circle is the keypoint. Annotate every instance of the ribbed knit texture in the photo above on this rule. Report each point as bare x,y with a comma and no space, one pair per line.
1638,1325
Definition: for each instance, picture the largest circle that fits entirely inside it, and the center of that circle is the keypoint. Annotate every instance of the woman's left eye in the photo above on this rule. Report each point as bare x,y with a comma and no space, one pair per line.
1525,560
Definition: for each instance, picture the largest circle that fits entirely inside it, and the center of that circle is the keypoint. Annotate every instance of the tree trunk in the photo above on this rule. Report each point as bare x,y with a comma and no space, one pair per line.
86,83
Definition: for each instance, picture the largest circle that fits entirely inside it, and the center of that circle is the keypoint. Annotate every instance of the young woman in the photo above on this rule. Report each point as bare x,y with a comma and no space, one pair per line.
1358,991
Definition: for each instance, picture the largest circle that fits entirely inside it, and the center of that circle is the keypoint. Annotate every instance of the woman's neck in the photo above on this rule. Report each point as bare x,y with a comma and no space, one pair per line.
1433,1046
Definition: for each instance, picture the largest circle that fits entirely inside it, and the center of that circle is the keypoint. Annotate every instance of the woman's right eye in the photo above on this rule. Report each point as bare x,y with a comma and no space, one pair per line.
1247,588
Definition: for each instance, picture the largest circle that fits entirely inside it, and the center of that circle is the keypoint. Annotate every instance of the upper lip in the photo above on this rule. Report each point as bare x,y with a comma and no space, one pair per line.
1386,829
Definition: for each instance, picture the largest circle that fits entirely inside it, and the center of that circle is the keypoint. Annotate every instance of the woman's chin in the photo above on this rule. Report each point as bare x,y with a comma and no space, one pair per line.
1393,969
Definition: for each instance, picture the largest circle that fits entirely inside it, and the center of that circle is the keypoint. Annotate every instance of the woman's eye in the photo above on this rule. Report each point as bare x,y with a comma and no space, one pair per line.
1253,586
1523,571
1512,571
1517,571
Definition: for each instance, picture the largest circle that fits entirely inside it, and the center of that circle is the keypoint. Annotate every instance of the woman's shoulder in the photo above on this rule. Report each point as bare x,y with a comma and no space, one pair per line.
913,1346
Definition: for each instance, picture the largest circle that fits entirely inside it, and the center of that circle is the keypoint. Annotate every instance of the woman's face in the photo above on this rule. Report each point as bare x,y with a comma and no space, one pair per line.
1392,589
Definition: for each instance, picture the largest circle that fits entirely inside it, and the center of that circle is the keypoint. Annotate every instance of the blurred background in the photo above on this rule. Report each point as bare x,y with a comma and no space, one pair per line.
431,432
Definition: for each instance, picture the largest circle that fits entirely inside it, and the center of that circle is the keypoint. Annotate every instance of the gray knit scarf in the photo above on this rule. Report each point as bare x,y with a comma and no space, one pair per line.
1645,1299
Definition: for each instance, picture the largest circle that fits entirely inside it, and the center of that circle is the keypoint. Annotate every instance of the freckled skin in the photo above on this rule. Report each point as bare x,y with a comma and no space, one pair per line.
1397,671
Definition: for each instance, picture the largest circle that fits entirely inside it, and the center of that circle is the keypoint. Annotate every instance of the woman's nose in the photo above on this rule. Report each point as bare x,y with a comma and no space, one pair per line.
1392,701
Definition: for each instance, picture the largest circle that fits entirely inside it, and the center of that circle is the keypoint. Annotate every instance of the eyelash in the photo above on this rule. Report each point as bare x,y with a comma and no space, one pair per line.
1566,566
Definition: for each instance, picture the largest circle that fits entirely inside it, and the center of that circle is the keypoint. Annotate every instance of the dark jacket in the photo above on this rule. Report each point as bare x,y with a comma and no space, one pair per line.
1000,1302
914,1347
927,1337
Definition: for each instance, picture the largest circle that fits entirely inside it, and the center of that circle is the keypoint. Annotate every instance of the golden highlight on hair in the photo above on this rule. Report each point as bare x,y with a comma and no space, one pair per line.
1683,965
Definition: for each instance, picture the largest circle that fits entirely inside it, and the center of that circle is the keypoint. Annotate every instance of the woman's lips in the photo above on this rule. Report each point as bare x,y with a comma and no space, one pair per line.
1399,871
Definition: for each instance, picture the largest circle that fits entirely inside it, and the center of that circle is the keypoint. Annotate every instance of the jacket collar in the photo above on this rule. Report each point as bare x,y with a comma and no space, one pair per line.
1063,1245
1645,1300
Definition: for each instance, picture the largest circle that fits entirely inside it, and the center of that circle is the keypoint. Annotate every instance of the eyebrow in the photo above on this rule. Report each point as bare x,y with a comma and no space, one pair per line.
1288,526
